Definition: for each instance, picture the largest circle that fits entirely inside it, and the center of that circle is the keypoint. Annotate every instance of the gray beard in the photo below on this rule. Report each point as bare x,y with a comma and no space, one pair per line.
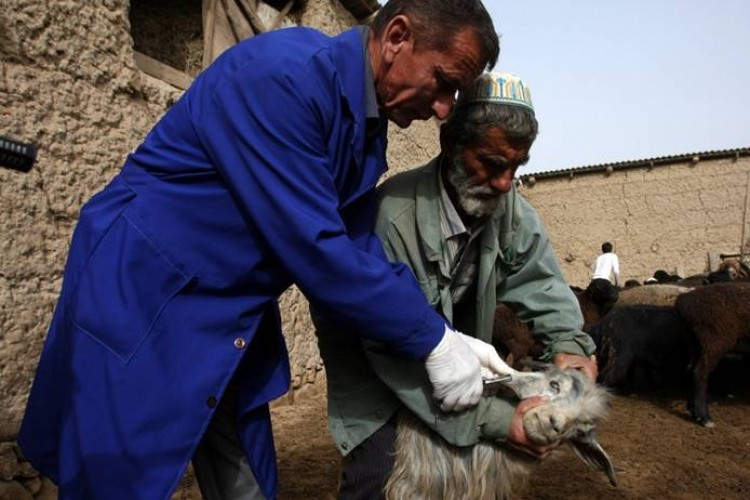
473,199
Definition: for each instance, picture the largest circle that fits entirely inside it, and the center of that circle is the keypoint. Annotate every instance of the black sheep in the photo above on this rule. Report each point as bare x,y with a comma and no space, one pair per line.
642,343
719,316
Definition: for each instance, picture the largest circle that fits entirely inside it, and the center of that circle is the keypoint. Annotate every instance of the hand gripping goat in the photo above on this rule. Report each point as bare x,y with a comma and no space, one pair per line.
427,467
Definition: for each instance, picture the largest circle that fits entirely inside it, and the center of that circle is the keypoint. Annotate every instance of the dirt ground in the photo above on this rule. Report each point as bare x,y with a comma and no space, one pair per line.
659,452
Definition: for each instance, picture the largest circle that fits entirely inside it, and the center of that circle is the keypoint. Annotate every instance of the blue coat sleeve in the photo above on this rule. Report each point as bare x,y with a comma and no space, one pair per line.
269,128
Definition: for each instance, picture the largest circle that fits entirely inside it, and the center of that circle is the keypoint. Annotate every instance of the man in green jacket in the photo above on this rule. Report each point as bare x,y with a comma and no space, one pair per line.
472,241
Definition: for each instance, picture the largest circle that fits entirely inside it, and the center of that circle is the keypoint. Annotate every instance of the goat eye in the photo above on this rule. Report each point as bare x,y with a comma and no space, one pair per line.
555,385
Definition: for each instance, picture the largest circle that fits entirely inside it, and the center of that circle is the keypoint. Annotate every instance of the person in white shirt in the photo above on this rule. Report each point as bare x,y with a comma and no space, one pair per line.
607,265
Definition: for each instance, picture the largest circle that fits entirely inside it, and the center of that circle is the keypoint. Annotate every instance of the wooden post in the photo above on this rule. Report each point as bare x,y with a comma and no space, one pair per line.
241,28
713,261
209,22
248,9
281,15
744,220
219,32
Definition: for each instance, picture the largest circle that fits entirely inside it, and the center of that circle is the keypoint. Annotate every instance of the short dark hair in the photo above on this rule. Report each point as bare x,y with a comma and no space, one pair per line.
432,19
606,247
470,123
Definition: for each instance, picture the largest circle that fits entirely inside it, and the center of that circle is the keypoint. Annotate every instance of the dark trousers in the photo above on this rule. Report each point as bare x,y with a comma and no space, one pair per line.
220,464
366,469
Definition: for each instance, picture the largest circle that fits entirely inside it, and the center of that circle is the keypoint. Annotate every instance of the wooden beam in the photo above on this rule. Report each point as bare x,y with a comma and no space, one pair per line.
163,72
248,10
209,22
241,27
281,15
223,30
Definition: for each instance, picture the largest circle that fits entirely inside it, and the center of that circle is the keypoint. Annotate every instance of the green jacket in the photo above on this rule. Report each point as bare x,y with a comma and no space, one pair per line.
367,384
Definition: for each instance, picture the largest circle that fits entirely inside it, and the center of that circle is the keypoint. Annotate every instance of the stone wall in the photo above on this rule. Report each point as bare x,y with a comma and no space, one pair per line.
68,82
670,216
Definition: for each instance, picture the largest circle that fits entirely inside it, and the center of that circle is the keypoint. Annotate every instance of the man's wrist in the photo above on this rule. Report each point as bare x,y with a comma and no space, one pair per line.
441,346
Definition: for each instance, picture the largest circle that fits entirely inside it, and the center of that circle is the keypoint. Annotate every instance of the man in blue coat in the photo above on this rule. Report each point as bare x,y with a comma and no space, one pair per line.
166,337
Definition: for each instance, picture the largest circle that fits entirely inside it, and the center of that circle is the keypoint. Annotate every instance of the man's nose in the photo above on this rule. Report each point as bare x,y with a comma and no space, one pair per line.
443,104
503,181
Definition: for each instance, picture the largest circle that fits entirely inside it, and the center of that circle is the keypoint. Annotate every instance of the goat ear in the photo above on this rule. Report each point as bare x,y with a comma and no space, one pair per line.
590,451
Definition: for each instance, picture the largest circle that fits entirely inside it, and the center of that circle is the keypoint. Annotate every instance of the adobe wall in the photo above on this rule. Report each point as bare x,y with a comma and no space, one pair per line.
68,82
667,217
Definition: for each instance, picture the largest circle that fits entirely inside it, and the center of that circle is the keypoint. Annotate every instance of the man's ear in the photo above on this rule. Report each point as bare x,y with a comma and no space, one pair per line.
397,34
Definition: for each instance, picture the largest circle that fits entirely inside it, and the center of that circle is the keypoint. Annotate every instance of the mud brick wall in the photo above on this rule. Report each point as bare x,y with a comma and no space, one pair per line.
69,82
669,216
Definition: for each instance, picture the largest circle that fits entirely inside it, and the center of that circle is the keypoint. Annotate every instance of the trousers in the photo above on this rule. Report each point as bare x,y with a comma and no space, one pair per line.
366,468
220,464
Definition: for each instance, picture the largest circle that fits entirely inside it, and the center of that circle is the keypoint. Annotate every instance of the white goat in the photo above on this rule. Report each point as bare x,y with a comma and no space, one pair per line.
427,467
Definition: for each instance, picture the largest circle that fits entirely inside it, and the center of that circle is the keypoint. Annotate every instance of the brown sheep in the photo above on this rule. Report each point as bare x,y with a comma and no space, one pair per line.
735,268
653,295
719,317
729,270
513,339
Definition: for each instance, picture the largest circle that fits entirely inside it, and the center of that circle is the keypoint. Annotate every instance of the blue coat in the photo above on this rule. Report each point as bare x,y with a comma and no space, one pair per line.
259,177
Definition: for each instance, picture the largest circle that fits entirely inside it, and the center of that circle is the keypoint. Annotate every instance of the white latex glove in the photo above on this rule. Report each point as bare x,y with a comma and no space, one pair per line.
454,372
488,357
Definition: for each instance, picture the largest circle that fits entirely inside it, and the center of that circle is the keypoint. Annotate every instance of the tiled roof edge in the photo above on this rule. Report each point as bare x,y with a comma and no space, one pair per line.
645,162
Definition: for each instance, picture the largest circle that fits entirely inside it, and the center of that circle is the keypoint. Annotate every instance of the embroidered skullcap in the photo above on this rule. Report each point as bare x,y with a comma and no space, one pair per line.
502,88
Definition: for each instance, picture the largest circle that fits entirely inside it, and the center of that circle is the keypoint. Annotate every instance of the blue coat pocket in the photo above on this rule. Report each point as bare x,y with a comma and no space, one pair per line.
123,288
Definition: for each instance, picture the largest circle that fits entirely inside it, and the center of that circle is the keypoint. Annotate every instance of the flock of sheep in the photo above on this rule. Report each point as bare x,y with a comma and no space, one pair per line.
673,332
676,332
